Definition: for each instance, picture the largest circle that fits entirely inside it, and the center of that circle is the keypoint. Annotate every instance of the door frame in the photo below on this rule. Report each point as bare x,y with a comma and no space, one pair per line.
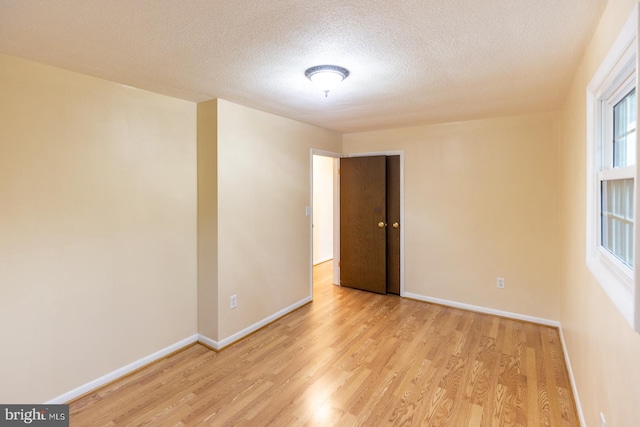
336,213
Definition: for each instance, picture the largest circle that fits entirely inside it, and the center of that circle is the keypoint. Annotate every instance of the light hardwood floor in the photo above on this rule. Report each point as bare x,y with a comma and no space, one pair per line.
353,358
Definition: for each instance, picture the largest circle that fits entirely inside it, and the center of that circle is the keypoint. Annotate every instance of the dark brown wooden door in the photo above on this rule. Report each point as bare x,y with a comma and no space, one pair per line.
393,224
363,231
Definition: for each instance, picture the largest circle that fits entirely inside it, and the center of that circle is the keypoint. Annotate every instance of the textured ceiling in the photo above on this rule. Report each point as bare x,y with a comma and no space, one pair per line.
411,61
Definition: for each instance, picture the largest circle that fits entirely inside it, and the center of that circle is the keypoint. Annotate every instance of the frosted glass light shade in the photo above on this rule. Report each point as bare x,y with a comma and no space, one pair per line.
326,77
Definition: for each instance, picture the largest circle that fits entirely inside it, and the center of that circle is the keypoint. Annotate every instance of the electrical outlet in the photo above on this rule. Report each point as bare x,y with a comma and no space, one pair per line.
233,301
603,422
500,282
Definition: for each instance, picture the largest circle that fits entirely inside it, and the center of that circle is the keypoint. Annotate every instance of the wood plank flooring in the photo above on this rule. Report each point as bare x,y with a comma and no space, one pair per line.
353,358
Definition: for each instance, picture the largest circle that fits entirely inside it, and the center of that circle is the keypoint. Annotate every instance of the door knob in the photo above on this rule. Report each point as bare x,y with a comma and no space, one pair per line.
381,224
396,225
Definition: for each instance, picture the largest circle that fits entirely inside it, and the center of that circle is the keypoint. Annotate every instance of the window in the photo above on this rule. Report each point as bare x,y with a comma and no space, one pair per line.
612,185
617,178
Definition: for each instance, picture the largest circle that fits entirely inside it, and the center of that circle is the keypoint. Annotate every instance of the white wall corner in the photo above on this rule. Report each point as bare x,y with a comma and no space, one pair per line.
203,339
118,373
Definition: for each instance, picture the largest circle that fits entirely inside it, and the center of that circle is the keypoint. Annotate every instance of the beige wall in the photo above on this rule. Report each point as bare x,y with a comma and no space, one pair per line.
480,202
264,246
208,219
604,351
97,228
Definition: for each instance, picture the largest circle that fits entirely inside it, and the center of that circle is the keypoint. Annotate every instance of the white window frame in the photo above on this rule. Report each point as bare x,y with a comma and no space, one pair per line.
616,76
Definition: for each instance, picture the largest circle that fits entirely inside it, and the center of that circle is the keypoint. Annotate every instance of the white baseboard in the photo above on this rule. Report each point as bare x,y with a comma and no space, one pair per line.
118,373
92,385
217,345
515,316
572,379
485,310
321,260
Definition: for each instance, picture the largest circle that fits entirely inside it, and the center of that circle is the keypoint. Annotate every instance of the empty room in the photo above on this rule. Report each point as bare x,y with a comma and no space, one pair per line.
338,213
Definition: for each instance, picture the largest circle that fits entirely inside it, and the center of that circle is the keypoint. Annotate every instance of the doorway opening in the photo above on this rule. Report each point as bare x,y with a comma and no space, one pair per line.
325,219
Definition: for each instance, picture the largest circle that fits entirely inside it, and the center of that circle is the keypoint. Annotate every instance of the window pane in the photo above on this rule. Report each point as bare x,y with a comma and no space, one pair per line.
624,131
617,218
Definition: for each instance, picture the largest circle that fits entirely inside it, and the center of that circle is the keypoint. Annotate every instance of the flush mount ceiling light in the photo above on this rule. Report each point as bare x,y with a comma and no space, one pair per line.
326,77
